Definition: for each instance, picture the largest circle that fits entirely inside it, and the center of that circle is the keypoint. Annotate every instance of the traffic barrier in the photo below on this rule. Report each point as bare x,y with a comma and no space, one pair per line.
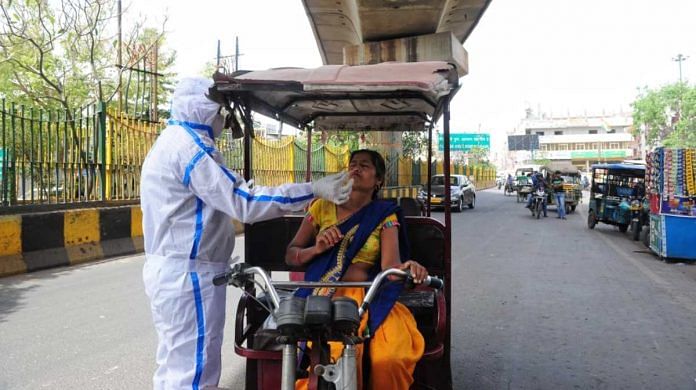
35,241
399,192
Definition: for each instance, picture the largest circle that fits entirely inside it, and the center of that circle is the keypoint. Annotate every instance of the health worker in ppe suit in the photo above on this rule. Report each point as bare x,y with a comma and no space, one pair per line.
187,199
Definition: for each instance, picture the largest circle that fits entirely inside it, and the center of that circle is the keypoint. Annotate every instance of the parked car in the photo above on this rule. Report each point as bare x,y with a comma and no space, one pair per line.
463,192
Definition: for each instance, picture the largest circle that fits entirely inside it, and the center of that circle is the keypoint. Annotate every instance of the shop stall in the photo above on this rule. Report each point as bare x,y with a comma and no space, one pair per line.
671,188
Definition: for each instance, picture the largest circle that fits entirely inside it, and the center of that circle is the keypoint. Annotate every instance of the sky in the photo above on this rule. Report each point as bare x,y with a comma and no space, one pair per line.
562,57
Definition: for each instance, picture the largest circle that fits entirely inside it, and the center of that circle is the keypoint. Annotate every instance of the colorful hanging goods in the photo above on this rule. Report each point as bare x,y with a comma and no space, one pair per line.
689,172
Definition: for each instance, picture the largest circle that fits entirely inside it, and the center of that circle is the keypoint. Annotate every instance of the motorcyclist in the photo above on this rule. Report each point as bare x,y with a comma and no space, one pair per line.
533,177
538,184
638,190
508,183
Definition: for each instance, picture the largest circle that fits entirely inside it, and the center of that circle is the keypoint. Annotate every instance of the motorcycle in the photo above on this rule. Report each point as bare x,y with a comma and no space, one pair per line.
538,203
317,319
509,190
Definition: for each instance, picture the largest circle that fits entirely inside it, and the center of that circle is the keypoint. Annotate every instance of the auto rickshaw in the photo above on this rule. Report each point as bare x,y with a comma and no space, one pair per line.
383,97
572,185
614,187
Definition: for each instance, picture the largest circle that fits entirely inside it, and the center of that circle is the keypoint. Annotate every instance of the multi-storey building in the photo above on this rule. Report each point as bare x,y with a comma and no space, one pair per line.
583,140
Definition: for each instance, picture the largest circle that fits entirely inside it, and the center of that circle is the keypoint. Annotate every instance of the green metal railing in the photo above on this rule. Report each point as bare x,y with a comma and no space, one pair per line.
49,156
54,157
68,158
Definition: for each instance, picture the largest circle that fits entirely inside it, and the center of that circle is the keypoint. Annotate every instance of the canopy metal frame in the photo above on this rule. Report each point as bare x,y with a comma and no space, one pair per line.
242,93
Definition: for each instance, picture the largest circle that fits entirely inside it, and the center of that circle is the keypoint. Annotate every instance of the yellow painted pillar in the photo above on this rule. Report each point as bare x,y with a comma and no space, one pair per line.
81,235
11,246
109,140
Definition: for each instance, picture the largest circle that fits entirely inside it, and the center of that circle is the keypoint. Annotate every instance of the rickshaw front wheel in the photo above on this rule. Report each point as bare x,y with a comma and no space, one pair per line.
635,229
623,228
646,236
591,219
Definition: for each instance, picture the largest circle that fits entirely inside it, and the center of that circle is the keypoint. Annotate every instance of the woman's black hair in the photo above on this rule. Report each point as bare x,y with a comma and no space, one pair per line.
380,167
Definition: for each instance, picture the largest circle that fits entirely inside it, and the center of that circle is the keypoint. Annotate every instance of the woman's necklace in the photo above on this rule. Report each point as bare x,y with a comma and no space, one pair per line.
343,212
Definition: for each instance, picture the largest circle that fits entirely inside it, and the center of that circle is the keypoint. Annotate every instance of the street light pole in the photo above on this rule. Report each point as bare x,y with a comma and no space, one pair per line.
680,58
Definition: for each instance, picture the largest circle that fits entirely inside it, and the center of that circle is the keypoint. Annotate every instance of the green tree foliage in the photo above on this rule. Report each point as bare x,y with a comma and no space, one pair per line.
479,156
208,69
415,144
144,52
667,115
339,139
62,55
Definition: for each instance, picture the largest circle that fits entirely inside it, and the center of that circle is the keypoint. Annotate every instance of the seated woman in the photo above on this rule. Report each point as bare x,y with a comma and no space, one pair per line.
354,242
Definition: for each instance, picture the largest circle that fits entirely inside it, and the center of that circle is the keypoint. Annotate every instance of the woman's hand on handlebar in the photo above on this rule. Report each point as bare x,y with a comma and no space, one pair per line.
418,272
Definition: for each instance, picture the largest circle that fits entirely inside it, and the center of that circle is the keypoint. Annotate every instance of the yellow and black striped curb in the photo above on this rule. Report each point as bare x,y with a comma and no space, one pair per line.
34,241
412,191
30,242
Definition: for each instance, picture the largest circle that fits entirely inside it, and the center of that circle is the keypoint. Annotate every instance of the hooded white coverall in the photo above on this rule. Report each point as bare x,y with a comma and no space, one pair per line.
187,198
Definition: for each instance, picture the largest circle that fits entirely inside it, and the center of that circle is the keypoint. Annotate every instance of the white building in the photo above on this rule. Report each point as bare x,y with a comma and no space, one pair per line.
583,140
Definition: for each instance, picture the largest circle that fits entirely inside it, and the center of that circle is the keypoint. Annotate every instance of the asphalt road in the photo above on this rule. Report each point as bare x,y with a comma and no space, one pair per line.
88,327
550,304
544,304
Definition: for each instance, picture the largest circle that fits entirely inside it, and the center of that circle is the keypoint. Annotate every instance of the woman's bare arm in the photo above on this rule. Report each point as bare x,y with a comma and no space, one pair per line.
389,246
392,259
294,255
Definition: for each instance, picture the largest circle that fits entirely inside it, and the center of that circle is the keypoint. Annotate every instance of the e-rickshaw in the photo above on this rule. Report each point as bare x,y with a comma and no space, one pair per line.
613,189
382,97
572,185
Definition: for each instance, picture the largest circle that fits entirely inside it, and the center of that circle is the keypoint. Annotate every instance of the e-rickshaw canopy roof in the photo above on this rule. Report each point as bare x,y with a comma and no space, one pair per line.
625,167
389,96
564,167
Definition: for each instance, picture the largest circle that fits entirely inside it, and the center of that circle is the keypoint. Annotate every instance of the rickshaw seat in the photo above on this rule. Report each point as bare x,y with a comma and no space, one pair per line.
269,239
265,245
411,207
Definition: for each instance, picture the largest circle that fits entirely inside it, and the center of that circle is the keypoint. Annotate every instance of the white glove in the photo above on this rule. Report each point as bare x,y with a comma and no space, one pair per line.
333,188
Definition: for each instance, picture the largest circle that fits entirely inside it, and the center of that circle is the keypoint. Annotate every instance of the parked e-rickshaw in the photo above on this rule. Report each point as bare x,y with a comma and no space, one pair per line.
613,188
382,97
572,185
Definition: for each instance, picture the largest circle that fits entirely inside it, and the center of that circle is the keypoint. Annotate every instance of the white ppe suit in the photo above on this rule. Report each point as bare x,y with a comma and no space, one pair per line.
187,199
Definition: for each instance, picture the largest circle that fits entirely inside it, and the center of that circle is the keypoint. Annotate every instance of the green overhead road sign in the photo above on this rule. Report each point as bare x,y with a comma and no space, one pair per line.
464,142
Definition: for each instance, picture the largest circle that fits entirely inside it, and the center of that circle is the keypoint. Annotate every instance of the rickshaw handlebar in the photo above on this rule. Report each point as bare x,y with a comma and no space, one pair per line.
242,273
